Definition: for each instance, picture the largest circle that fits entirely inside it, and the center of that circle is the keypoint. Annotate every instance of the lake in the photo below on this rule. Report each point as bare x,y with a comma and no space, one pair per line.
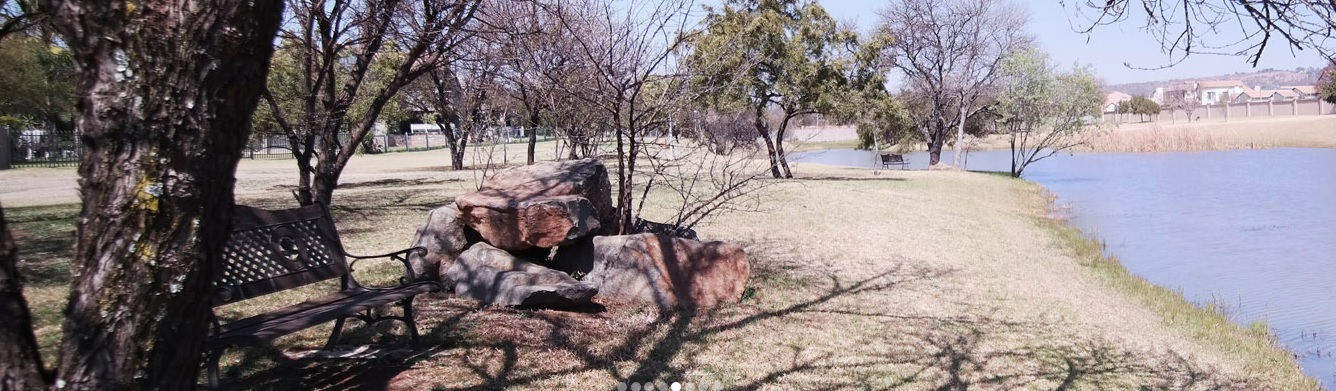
1252,231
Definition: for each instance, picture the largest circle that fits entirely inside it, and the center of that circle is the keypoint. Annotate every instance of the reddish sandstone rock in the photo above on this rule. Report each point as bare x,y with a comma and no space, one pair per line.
552,221
497,210
661,270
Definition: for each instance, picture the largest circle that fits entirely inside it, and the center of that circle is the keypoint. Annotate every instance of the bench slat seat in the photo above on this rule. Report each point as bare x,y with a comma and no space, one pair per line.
262,328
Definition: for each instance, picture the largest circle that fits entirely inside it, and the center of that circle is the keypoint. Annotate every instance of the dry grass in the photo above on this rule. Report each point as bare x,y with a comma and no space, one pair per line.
904,280
1248,133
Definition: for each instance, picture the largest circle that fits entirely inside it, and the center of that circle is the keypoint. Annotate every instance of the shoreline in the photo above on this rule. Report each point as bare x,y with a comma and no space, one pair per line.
1203,135
1207,324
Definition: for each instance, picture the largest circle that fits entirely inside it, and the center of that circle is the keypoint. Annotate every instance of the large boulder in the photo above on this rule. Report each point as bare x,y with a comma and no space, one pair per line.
444,237
493,276
552,221
498,210
658,269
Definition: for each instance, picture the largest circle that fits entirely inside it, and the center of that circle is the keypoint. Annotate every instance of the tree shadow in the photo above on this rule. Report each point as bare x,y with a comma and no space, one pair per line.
268,367
492,348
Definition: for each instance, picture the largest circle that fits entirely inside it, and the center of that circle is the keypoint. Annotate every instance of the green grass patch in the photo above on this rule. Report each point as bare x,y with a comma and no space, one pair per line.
1254,344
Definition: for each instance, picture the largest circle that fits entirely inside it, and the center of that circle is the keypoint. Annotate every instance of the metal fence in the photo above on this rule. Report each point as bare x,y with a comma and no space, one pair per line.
38,148
268,147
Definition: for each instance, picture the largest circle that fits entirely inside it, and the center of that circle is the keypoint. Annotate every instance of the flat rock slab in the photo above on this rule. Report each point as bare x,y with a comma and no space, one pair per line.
661,270
493,276
495,210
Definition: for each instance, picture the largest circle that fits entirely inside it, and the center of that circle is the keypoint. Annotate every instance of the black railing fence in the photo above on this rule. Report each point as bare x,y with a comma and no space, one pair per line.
38,148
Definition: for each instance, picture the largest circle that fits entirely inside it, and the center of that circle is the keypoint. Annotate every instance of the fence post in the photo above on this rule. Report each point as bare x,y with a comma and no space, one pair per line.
6,149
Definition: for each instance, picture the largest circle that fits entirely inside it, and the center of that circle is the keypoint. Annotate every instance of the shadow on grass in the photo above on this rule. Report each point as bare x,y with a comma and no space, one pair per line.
268,368
45,238
486,348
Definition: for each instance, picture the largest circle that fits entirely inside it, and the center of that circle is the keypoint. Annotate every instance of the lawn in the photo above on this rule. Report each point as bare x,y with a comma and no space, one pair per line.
889,280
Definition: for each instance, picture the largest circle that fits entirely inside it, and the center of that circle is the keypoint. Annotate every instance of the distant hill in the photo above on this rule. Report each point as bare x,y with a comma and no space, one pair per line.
1265,78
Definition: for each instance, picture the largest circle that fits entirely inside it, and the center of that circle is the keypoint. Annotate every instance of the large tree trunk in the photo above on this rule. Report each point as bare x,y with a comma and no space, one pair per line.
779,148
533,135
935,150
764,132
960,139
165,96
20,361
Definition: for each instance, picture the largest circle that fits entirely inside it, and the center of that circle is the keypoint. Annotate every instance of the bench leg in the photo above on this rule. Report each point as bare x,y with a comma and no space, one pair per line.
411,322
212,362
334,336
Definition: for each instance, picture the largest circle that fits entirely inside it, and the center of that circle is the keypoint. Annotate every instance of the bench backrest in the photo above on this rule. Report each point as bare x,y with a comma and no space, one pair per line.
892,158
274,250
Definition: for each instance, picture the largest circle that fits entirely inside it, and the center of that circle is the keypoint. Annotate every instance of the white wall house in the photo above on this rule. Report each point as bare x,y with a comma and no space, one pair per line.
1212,92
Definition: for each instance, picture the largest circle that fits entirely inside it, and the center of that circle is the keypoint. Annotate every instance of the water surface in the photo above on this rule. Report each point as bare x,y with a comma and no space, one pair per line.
1251,231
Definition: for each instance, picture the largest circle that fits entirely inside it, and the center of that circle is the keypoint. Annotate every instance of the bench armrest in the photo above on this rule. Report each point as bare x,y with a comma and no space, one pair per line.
401,256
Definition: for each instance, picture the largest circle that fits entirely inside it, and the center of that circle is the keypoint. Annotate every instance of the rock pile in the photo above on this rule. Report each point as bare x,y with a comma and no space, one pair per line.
539,235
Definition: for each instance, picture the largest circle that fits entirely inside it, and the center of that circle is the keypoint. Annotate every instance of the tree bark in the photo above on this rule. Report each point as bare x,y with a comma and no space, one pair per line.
779,147
960,138
20,360
165,94
935,151
764,131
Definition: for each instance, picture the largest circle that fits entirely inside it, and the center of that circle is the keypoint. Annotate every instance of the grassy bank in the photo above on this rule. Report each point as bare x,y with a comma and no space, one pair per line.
1254,343
902,280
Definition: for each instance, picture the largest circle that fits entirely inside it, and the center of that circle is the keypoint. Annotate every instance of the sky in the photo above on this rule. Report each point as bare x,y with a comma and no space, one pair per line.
1108,48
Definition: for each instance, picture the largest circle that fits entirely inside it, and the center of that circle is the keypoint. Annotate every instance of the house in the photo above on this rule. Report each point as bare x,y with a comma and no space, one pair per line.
1211,92
1113,99
1303,92
1177,94
1250,95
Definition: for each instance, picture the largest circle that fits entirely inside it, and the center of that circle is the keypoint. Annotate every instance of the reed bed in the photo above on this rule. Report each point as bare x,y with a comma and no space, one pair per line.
1158,138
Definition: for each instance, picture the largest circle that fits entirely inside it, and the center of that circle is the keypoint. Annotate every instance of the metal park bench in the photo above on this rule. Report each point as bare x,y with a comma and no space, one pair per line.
889,159
272,251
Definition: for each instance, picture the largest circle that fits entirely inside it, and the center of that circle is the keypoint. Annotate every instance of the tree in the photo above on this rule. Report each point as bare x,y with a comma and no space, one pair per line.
536,58
165,93
761,54
1041,111
1143,106
1181,97
337,49
37,80
635,87
1326,83
949,52
1229,27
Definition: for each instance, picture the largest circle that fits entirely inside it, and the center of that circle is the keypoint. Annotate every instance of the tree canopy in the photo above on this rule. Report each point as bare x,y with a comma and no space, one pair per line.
789,55
38,83
1326,83
1043,112
950,52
